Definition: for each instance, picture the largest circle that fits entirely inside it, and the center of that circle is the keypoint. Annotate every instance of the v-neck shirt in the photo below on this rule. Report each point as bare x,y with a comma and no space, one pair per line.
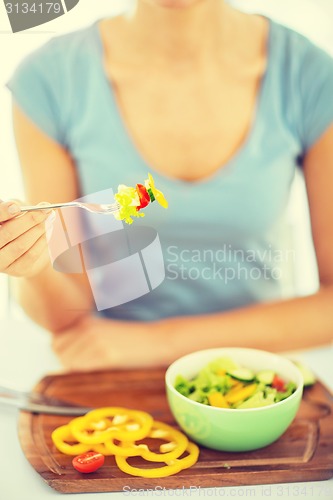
225,239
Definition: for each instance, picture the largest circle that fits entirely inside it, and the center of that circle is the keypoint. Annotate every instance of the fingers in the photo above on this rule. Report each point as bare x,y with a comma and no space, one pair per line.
12,208
22,244
13,229
28,264
8,210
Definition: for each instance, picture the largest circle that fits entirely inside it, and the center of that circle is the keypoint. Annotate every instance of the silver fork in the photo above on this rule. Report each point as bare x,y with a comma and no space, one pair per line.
91,207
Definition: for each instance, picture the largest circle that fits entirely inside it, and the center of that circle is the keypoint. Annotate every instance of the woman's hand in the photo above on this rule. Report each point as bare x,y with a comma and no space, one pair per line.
23,246
97,343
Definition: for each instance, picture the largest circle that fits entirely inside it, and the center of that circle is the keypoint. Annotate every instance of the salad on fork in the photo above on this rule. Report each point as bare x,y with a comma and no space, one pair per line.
129,201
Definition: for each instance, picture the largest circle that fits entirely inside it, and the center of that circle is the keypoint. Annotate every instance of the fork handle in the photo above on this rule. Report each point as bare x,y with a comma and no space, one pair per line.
44,408
8,392
30,208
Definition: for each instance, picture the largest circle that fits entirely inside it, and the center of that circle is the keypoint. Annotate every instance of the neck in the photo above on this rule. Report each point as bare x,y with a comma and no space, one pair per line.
176,34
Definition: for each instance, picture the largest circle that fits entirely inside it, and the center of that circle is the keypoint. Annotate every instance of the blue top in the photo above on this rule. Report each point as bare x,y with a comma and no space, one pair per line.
223,238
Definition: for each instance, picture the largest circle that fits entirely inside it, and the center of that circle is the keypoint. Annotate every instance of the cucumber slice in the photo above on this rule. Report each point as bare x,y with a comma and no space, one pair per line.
242,374
256,401
265,376
151,195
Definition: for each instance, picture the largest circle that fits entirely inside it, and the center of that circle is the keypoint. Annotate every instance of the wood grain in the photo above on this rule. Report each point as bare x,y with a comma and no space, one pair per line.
303,453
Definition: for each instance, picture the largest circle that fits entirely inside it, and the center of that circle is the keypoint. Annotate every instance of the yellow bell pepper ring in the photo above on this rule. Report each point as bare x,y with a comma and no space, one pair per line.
175,446
171,467
62,437
126,425
101,448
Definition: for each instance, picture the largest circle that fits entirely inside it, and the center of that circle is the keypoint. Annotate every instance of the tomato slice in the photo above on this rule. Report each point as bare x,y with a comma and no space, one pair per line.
88,462
278,383
143,196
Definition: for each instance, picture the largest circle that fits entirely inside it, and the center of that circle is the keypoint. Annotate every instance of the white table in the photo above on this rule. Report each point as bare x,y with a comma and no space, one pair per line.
26,356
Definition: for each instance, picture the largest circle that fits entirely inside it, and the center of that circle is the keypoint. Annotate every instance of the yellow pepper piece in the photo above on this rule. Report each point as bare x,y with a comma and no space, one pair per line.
171,467
159,430
81,426
236,385
243,393
62,434
158,195
217,399
101,448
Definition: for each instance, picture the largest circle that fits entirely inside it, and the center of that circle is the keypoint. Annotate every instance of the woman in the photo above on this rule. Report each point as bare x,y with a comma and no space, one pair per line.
220,106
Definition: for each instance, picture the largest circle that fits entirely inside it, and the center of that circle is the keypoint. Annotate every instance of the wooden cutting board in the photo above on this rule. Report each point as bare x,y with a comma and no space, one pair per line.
303,453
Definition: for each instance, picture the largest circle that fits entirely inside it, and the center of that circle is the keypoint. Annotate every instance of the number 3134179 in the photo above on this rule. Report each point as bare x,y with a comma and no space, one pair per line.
35,8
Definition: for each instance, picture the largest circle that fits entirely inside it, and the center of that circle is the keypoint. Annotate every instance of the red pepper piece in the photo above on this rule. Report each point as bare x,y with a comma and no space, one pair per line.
143,196
278,384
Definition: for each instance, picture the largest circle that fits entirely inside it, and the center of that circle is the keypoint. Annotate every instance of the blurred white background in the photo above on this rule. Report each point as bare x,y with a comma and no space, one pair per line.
314,18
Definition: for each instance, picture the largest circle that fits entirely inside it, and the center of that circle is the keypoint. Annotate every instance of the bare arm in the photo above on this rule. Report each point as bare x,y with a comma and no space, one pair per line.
52,299
283,325
97,343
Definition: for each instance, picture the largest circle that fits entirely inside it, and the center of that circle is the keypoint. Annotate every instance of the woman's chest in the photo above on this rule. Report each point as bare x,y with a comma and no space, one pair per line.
187,127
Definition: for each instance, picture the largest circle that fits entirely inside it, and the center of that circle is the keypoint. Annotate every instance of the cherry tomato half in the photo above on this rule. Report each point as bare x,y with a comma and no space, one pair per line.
88,462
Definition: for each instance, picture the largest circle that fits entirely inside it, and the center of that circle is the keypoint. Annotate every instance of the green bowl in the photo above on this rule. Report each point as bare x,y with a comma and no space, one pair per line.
233,429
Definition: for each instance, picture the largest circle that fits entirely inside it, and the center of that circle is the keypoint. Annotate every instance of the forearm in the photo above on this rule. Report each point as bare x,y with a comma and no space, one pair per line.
54,300
96,343
280,326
